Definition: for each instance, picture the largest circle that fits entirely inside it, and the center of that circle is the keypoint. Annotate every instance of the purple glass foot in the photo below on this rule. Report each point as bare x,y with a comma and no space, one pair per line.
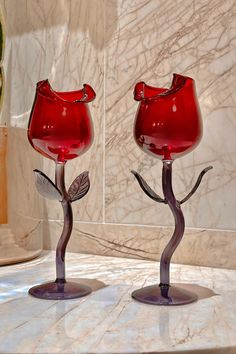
60,291
164,295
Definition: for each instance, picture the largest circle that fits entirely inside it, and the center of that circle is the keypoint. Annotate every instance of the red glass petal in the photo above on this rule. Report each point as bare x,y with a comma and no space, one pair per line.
60,125
168,121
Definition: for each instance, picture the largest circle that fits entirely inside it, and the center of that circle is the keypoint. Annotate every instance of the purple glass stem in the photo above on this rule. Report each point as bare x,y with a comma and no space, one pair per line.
68,223
164,293
179,224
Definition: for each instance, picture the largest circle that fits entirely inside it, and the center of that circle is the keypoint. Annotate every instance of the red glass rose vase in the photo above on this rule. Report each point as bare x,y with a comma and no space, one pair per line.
168,121
167,126
60,126
61,129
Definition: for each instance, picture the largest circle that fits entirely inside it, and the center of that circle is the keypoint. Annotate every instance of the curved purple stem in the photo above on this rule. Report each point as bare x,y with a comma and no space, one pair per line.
68,224
179,224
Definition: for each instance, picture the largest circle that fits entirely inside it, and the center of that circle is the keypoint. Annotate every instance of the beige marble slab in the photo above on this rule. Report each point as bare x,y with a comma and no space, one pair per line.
149,40
109,321
3,175
25,207
13,250
198,247
21,238
21,161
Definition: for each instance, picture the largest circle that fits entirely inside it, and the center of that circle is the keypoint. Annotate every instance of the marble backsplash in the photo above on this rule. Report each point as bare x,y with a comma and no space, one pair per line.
153,39
112,44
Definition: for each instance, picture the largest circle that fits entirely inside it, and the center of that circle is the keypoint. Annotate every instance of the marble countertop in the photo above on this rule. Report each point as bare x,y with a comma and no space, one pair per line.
109,320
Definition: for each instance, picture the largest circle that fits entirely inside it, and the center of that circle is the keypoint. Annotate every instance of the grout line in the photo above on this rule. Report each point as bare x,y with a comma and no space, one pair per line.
104,117
142,225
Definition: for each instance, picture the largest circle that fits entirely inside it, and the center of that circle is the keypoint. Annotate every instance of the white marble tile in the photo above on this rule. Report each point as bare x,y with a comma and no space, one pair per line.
108,320
149,40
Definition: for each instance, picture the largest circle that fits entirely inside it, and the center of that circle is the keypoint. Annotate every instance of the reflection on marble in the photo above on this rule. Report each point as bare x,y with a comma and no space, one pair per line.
198,247
108,320
152,40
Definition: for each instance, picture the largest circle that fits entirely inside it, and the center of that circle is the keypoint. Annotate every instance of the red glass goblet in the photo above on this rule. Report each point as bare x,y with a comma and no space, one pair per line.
60,128
167,125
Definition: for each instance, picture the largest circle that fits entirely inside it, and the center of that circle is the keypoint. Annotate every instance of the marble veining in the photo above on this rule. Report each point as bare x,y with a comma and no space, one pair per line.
108,320
198,247
152,40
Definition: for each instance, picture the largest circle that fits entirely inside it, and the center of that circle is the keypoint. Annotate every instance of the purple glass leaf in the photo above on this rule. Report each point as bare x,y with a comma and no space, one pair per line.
147,190
197,184
46,187
79,187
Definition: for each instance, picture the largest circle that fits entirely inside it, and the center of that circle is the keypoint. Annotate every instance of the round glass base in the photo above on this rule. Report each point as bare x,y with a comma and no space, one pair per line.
60,291
164,295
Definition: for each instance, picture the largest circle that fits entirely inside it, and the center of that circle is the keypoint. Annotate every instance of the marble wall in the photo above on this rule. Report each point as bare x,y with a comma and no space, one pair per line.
62,41
112,44
153,39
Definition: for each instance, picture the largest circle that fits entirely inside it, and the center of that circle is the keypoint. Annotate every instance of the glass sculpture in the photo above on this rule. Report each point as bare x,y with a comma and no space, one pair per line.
167,126
60,128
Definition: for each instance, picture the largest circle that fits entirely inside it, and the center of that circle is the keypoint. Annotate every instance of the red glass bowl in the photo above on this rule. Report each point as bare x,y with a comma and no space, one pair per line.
60,125
168,121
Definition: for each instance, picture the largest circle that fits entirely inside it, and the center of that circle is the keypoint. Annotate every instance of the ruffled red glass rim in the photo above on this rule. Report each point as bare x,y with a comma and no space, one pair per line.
144,92
84,95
